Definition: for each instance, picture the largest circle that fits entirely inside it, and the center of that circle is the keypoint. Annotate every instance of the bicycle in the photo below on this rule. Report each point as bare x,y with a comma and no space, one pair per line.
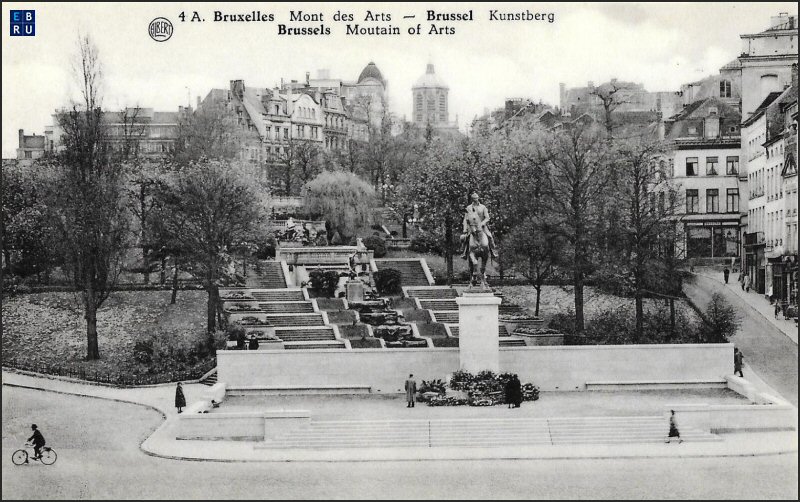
20,456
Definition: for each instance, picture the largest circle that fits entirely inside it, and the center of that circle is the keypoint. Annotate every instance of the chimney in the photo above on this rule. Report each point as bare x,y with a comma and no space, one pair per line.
562,94
308,78
794,77
21,138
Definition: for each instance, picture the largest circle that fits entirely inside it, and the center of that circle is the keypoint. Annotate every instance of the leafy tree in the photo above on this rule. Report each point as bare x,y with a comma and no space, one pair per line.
86,196
440,185
211,132
722,320
535,250
576,178
209,208
343,199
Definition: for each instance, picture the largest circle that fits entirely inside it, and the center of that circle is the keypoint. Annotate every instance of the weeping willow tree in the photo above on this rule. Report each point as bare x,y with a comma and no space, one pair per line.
343,199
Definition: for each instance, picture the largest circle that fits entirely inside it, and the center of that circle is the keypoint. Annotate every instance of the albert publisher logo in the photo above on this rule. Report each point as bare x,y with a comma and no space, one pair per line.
160,29
23,23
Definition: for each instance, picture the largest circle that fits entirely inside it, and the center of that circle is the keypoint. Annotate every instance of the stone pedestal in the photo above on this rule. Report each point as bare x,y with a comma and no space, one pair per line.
355,291
478,345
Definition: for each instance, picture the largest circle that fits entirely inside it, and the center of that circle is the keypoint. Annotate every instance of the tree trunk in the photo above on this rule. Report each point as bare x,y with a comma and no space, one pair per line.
578,285
538,295
213,299
671,318
639,314
146,263
163,270
448,248
174,284
90,305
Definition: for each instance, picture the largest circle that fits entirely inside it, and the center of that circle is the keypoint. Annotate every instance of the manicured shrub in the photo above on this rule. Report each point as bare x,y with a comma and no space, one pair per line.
323,282
377,245
388,281
425,243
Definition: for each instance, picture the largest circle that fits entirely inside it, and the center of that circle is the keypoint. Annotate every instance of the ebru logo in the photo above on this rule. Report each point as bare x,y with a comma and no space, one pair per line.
23,23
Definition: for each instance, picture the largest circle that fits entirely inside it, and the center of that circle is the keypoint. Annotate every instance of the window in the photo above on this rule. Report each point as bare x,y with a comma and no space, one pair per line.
711,166
732,201
724,88
732,165
692,201
661,204
285,133
712,200
691,166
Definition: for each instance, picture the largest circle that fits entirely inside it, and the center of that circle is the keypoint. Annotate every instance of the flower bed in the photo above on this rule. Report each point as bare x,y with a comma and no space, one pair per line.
243,307
236,296
483,389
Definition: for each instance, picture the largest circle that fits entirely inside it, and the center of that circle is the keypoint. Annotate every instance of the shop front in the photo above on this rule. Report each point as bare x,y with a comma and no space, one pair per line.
712,239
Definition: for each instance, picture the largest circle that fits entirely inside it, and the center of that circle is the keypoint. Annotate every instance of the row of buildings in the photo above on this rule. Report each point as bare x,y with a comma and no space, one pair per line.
731,140
327,112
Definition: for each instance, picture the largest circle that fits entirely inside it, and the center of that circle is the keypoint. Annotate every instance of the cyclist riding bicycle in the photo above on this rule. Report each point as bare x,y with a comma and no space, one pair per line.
37,440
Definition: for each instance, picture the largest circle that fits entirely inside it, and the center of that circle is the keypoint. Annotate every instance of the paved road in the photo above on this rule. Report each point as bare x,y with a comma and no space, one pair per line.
99,458
766,349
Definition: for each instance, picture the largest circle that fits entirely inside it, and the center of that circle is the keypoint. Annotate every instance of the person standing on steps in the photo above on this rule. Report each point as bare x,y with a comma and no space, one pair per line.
180,399
411,391
738,357
673,429
726,273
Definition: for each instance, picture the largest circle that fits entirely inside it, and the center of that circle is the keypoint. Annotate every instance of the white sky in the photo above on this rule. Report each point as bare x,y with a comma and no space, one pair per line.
660,45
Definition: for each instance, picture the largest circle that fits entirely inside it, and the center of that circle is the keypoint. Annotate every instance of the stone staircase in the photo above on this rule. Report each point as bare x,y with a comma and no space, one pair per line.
446,316
287,307
270,276
501,332
439,304
293,320
434,293
483,432
411,271
332,344
279,295
210,379
315,334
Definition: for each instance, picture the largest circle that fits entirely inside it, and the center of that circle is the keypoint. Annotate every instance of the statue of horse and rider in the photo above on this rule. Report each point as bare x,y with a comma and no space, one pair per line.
478,240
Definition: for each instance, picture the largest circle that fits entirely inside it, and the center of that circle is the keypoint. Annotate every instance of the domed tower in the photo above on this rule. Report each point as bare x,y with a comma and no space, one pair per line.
368,94
371,75
430,100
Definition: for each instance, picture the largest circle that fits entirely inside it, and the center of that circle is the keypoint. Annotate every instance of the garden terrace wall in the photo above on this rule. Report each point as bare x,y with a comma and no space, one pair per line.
549,367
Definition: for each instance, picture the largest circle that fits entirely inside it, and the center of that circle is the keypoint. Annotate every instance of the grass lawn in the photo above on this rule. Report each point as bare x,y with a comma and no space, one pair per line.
558,299
48,330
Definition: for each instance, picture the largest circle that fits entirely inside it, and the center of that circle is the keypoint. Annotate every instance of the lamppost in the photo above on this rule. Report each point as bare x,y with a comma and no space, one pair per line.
411,220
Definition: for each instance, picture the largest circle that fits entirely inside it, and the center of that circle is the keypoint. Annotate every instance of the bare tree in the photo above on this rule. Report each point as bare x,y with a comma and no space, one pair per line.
87,196
576,179
611,95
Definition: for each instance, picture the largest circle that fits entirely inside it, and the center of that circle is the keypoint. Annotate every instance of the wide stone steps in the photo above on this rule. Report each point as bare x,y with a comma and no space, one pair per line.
278,295
483,432
411,271
287,307
303,336
446,317
512,342
501,331
440,293
291,320
270,276
309,345
439,304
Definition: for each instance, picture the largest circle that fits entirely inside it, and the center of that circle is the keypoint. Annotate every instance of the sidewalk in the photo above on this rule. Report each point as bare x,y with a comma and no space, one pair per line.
162,442
756,301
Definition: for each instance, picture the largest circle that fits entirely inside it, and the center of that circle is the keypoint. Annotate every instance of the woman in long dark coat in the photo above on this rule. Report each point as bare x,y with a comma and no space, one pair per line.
180,399
517,391
509,390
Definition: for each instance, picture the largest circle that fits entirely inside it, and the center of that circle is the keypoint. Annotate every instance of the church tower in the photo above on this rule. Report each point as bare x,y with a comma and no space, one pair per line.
430,101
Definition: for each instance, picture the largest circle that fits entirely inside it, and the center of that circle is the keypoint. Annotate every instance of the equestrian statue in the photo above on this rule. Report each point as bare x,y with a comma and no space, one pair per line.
478,240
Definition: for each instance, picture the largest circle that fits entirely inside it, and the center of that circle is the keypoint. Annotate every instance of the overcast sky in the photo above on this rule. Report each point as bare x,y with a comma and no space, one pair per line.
484,62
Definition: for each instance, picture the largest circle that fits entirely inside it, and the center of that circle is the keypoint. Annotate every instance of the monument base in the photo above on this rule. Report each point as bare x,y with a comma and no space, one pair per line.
479,344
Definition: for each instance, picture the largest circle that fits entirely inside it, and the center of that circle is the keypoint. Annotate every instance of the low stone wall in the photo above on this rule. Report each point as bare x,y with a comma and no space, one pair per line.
549,367
253,426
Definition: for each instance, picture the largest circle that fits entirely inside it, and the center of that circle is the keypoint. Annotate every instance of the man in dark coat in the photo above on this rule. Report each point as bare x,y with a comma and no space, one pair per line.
737,362
253,345
509,390
37,440
411,391
517,391
180,399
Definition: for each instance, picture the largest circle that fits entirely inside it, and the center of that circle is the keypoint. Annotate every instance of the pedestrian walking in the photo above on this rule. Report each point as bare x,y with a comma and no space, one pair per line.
747,283
741,280
411,391
673,429
777,308
180,399
738,357
726,273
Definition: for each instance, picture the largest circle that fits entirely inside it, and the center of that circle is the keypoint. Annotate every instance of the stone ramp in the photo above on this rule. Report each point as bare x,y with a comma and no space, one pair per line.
488,432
